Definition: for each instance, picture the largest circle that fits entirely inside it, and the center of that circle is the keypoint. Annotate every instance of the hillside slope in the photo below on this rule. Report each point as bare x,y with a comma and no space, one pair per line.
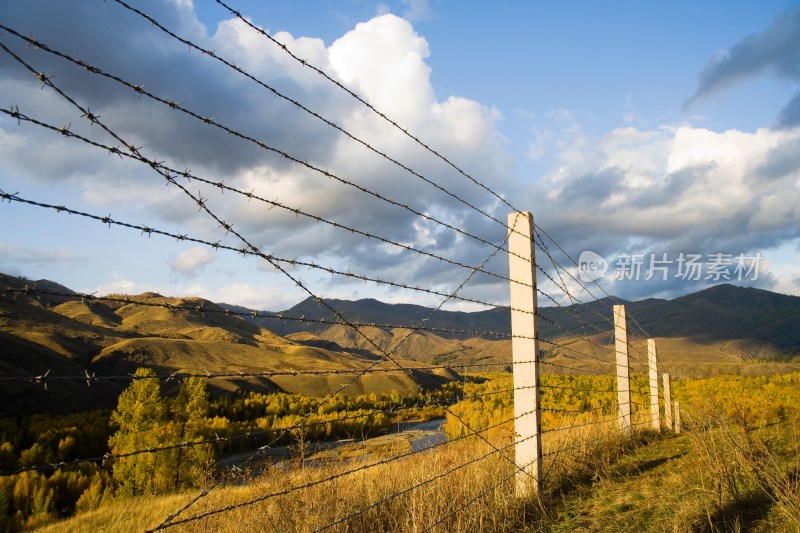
70,337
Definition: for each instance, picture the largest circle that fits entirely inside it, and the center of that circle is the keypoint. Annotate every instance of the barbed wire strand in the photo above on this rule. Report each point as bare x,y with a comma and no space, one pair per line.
182,237
385,355
469,502
229,229
150,230
218,246
431,479
362,413
439,476
94,120
583,324
236,13
539,241
364,102
299,105
169,520
480,495
140,90
557,266
278,316
332,477
562,284
596,283
319,71
207,441
367,104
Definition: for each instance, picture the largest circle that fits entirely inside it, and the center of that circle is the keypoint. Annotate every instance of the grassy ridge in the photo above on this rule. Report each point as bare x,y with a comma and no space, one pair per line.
70,337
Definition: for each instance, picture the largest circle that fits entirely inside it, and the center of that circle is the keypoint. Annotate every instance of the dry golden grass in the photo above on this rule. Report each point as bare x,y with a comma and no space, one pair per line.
723,474
750,469
94,315
462,486
124,515
736,467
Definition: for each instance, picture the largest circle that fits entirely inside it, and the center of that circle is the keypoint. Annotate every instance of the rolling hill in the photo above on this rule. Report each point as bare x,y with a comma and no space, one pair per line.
70,337
720,329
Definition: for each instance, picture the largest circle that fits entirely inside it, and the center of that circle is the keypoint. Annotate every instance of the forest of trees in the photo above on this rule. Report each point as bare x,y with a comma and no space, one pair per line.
573,399
566,399
145,418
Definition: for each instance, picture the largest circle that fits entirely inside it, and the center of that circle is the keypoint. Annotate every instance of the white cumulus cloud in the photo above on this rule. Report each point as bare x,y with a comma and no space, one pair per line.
673,190
383,59
190,262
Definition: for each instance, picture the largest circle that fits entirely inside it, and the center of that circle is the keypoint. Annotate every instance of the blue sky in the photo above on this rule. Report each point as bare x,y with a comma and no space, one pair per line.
628,129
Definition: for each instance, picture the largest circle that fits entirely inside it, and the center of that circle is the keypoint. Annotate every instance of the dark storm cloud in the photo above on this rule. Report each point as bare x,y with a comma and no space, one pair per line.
772,52
790,114
781,161
121,43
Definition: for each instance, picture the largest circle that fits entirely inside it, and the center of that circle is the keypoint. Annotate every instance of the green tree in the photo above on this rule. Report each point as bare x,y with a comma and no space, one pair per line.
140,417
6,486
189,412
8,459
95,495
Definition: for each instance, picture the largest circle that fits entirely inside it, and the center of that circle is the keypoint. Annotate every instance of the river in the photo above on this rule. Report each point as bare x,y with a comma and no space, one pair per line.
419,435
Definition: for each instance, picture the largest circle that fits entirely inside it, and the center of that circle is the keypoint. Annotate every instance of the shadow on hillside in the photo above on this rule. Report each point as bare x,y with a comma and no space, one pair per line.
646,466
748,513
585,473
335,347
743,515
620,466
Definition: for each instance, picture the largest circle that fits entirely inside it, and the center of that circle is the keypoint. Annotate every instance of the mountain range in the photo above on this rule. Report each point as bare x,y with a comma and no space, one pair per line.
723,324
720,329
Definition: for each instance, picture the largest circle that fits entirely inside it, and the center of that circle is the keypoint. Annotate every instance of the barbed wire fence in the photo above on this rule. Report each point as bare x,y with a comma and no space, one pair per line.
580,343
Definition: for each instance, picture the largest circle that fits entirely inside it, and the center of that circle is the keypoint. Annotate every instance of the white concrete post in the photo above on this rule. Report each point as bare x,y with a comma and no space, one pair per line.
677,414
667,403
623,367
652,363
525,353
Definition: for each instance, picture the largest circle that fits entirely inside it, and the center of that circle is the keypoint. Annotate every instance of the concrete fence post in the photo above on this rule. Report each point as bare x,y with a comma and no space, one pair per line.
667,403
525,353
652,363
623,367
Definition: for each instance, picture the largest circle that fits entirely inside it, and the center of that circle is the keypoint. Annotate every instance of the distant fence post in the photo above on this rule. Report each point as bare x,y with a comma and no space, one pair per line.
667,403
623,367
525,350
652,363
677,415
